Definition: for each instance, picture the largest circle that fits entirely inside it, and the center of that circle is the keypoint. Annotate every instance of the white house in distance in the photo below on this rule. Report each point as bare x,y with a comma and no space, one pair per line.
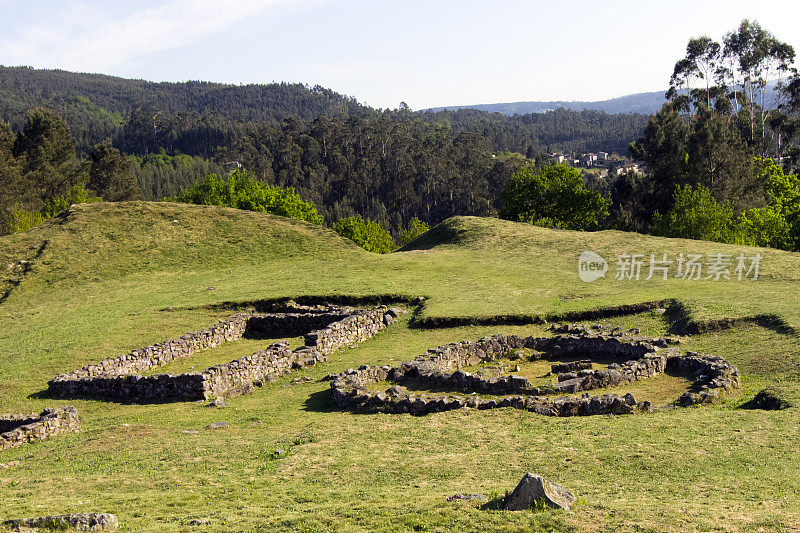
627,167
557,158
233,166
589,159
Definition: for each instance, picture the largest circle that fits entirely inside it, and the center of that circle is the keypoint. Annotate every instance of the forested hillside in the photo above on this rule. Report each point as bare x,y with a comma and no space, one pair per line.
196,117
96,105
387,165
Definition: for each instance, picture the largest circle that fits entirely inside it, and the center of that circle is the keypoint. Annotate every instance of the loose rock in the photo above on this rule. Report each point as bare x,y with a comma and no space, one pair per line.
218,402
533,488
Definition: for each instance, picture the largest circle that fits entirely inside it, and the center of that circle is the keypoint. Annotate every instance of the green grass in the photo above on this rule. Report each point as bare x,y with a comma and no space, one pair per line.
99,286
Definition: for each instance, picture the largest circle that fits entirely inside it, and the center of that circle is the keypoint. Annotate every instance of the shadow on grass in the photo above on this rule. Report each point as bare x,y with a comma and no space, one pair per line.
681,322
47,395
282,304
320,402
495,503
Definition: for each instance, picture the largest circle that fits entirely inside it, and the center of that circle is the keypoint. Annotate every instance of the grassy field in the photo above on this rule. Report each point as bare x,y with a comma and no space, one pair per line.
107,278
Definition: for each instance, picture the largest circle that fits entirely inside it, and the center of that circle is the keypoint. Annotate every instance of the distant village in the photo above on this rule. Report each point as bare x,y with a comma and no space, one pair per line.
601,163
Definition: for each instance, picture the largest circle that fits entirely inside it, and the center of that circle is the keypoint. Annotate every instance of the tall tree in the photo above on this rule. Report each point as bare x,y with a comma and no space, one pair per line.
701,61
47,152
111,174
758,57
11,187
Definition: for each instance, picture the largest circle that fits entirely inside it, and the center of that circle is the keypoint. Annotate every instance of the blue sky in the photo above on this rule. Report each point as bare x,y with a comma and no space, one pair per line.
426,53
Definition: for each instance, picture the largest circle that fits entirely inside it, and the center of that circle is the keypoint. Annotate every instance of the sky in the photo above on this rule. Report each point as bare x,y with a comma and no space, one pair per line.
426,53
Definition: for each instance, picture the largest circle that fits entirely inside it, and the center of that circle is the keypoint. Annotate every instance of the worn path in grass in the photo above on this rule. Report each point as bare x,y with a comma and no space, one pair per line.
107,271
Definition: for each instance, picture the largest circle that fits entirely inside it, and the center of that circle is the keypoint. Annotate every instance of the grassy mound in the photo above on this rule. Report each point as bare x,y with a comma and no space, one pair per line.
98,282
92,242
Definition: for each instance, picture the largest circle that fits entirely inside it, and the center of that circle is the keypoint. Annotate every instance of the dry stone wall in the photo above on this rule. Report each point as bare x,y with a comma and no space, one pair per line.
60,522
442,368
325,332
713,374
16,430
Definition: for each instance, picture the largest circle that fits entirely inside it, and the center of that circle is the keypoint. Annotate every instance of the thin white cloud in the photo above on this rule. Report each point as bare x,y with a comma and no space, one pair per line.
87,38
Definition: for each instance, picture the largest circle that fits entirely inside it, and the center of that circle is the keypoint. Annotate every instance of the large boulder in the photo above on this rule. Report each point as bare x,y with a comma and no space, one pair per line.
533,488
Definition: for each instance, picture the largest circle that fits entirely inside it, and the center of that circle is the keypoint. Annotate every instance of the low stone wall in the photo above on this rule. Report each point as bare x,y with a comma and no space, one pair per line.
351,330
159,354
239,376
442,369
117,378
16,430
60,522
712,372
349,392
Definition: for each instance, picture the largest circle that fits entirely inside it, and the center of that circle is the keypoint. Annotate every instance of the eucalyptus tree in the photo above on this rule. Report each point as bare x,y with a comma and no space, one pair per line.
758,57
702,61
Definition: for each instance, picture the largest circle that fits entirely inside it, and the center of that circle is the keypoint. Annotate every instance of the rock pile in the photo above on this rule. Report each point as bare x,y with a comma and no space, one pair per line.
712,373
770,399
16,430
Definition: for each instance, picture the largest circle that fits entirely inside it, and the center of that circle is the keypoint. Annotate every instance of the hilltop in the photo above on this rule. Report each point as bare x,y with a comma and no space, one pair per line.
107,278
645,103
642,103
81,96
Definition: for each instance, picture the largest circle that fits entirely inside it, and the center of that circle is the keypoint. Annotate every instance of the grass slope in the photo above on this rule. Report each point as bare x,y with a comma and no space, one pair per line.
102,275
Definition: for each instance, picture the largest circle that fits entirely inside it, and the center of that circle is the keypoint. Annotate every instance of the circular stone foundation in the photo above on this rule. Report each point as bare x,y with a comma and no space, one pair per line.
574,350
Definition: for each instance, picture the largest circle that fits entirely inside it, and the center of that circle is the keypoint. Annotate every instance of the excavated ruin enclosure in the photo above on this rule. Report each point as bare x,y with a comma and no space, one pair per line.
634,357
325,328
16,430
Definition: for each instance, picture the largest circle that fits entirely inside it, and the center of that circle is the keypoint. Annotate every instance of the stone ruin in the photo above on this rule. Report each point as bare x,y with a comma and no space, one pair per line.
60,522
324,329
16,430
634,357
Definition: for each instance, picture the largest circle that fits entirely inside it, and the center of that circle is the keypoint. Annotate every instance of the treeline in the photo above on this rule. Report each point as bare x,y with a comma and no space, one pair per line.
196,118
722,154
390,166
558,130
384,169
96,106
41,174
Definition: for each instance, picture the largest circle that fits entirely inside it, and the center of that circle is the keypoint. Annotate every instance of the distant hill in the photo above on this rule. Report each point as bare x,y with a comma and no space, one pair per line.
639,103
96,105
643,103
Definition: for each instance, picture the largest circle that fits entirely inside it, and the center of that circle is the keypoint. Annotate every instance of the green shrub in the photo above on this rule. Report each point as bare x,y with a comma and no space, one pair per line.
77,194
695,214
415,228
242,191
366,233
554,197
764,226
17,219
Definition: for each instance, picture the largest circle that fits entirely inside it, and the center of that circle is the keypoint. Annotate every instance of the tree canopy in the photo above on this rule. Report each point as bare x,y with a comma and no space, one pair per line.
554,197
